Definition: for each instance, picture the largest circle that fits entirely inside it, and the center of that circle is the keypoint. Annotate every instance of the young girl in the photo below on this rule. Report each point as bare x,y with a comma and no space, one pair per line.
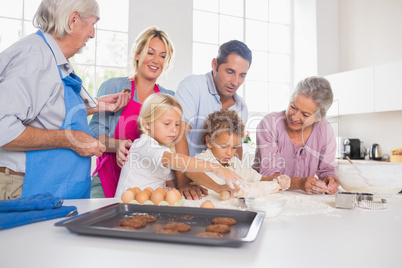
150,159
223,133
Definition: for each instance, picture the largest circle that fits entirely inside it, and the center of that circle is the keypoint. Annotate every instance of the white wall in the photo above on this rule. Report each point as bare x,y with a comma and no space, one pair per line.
370,33
176,18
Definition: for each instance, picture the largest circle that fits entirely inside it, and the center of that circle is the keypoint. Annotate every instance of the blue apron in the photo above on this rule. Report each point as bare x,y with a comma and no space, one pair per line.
62,172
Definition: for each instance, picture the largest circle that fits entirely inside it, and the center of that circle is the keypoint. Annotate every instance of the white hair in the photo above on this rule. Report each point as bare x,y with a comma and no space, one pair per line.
52,15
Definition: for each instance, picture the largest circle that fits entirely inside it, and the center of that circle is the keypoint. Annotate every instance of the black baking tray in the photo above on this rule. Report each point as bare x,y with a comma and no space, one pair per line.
104,222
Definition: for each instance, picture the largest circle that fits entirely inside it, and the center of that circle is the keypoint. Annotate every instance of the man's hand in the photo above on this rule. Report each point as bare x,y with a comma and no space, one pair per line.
110,103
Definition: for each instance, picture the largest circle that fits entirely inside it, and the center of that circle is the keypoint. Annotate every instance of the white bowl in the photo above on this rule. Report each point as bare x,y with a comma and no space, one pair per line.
383,179
272,205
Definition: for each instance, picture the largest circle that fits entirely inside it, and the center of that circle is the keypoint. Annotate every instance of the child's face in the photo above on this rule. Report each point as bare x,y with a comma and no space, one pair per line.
166,128
224,146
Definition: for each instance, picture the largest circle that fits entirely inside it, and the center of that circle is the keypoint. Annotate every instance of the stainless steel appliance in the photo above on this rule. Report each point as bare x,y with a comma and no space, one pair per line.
375,152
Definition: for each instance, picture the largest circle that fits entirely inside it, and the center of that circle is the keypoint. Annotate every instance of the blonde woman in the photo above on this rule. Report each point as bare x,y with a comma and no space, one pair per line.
151,161
151,55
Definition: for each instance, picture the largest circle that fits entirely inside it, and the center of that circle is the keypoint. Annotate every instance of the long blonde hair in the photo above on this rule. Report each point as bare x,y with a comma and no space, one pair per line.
141,46
154,106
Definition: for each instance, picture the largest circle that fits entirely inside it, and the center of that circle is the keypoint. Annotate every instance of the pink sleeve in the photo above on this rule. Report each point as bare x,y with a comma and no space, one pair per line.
325,167
267,147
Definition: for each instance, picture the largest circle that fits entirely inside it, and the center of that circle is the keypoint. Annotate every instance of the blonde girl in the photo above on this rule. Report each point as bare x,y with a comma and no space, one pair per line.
151,161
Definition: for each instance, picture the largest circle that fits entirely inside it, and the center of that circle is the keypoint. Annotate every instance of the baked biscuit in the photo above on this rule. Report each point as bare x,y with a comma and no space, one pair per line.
133,223
210,234
178,226
224,220
167,231
146,218
218,228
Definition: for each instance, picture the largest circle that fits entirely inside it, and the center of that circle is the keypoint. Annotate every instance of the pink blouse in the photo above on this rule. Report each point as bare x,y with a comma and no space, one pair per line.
276,153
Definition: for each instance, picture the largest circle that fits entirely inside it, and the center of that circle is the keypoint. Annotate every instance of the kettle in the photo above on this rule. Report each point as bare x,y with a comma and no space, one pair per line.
375,152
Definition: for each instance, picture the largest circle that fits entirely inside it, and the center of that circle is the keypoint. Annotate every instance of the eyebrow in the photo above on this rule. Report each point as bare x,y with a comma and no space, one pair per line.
154,50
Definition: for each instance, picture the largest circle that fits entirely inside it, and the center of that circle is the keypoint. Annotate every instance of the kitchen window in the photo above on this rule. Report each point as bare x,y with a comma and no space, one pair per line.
104,57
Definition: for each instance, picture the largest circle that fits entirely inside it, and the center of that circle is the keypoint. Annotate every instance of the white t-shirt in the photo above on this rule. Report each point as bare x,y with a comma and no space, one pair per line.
144,166
241,168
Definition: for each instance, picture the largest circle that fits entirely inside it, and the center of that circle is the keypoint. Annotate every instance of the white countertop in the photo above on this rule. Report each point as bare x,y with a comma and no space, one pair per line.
310,232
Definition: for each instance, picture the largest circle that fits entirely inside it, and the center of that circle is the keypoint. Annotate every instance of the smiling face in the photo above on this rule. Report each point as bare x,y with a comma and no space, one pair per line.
224,146
301,113
151,61
230,75
166,128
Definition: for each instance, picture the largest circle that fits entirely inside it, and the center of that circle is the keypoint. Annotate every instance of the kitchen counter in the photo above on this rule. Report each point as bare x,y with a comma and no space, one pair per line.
310,232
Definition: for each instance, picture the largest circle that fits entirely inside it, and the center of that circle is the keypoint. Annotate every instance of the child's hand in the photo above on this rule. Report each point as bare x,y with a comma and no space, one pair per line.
283,181
232,179
122,152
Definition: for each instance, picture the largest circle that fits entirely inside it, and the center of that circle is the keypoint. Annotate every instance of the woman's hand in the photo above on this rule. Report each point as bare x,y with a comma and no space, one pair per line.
283,181
122,152
312,185
332,184
232,179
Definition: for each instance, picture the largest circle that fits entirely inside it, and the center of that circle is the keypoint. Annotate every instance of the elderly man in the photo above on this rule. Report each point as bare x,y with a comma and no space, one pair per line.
45,144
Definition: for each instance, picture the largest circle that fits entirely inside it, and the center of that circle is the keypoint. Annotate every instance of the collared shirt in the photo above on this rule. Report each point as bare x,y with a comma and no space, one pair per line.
276,153
32,93
105,123
199,98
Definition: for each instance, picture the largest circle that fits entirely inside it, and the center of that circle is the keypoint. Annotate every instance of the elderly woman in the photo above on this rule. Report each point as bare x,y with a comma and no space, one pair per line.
151,55
299,142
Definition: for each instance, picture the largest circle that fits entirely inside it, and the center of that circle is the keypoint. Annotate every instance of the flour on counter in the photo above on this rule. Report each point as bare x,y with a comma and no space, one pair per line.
297,203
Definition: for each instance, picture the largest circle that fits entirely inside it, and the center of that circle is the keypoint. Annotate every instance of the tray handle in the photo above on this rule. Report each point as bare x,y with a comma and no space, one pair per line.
63,222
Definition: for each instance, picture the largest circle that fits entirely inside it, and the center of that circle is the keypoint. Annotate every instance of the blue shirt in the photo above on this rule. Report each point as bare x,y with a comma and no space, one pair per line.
198,96
105,123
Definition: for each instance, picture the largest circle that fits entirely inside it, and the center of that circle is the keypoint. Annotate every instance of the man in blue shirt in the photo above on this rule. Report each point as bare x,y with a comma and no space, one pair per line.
201,95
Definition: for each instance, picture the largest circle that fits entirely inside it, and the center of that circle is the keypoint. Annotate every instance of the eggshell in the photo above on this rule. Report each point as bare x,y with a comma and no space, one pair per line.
157,197
207,204
177,193
171,197
150,189
127,196
161,190
141,197
133,191
148,192
136,189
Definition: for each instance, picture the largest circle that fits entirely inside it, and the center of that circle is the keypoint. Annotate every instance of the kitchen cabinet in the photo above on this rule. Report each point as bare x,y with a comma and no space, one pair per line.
353,92
388,87
366,90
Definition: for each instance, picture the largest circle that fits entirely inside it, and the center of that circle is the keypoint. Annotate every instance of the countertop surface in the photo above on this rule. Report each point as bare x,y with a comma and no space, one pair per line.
310,232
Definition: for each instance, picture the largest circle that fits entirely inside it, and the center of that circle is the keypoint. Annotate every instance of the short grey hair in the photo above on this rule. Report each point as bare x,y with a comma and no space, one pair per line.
52,15
319,89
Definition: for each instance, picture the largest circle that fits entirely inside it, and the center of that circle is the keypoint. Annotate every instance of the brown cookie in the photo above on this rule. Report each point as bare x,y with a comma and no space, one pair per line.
218,228
224,220
210,234
146,218
133,223
178,226
167,231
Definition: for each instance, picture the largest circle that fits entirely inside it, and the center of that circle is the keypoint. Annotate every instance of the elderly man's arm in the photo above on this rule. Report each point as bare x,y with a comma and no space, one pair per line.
33,138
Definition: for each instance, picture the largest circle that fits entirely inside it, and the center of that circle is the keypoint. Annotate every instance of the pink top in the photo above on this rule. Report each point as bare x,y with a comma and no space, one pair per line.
276,153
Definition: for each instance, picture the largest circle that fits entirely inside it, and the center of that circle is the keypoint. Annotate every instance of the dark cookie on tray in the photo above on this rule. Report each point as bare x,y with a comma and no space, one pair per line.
224,220
146,218
218,228
167,231
133,223
210,234
178,226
